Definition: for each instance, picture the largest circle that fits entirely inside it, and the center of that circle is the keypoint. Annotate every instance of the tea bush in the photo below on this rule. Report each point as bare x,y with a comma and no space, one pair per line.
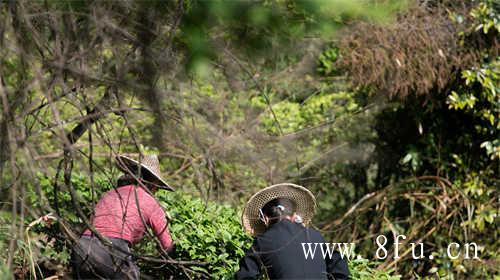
209,232
363,269
204,232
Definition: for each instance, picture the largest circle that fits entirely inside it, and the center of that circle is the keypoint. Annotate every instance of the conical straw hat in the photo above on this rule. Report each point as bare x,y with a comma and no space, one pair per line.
303,198
149,165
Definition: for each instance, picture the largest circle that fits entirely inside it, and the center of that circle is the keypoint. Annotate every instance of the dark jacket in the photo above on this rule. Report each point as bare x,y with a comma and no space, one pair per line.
279,250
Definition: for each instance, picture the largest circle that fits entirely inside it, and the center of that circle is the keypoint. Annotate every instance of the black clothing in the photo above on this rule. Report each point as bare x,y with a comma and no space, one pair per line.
93,260
279,250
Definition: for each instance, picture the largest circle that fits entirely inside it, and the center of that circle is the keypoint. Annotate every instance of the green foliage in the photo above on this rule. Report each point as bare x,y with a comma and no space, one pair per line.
363,269
260,26
320,109
34,246
205,232
208,232
326,61
480,97
323,134
5,218
453,135
5,273
487,16
202,231
86,195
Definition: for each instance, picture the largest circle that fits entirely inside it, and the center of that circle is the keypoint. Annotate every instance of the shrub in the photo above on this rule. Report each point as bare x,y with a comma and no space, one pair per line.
212,233
202,231
5,274
363,269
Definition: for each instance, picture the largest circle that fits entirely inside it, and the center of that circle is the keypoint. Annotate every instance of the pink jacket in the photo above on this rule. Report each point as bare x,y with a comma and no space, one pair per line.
117,215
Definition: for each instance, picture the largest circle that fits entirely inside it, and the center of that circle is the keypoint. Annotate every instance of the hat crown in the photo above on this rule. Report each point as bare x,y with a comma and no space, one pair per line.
148,164
152,163
303,198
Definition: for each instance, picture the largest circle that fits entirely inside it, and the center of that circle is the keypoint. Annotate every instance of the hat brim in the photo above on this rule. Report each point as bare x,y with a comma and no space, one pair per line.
129,165
303,198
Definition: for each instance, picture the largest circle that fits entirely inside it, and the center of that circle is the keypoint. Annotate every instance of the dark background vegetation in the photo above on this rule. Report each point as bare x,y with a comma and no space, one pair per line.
388,111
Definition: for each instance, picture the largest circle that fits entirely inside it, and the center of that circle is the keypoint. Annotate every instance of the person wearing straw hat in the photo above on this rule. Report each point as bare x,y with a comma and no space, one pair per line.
277,216
121,216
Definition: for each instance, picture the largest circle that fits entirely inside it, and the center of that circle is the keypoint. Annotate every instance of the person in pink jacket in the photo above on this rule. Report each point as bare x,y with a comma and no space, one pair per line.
122,216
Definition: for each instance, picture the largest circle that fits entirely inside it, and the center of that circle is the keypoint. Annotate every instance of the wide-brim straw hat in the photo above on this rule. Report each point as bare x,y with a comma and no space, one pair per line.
303,198
147,165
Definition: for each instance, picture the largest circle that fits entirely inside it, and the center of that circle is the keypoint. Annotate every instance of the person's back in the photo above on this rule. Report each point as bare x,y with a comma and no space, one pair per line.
124,213
280,249
120,218
277,216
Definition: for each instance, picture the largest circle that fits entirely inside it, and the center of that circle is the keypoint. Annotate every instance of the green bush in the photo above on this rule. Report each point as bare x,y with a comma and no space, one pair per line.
363,269
5,274
212,233
205,232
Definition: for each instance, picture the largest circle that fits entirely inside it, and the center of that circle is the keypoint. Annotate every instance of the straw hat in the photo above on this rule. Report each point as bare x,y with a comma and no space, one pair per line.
149,165
303,198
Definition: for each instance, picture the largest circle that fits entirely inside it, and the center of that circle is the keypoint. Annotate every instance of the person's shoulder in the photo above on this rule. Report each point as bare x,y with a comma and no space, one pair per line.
281,230
315,233
142,195
264,235
117,191
149,198
123,189
313,230
269,235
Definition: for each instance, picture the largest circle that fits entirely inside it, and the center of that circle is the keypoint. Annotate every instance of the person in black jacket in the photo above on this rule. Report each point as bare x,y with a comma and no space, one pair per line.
277,216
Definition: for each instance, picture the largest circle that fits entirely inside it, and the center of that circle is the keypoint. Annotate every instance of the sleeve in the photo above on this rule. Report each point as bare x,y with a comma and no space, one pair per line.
336,267
250,264
158,224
